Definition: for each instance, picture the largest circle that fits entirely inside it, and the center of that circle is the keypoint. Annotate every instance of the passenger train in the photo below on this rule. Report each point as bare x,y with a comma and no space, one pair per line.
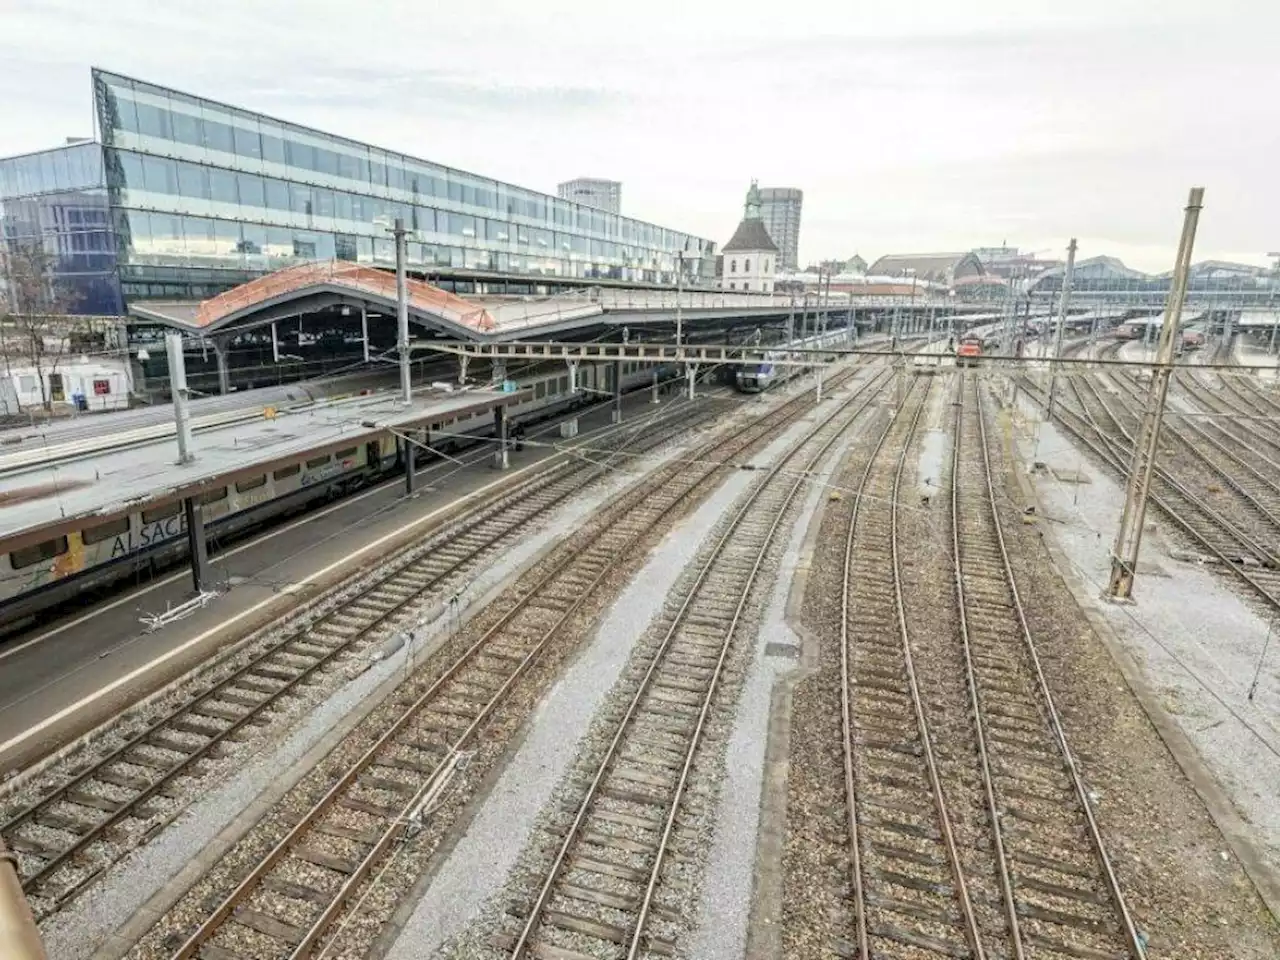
757,377
37,578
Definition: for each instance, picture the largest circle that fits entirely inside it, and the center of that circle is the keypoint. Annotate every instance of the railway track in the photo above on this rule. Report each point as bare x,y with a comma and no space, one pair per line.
1231,421
908,891
73,831
1256,500
1060,894
1208,530
599,895
289,903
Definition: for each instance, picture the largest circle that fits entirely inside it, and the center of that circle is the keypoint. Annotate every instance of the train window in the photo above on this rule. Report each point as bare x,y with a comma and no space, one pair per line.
253,483
161,513
284,473
38,552
346,454
317,462
540,390
564,384
213,496
105,531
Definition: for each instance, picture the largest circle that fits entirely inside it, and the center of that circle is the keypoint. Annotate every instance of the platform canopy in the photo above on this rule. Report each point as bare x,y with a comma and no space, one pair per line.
312,287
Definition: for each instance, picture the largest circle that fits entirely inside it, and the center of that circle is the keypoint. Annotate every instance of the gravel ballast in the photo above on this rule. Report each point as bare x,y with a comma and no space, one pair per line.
1194,643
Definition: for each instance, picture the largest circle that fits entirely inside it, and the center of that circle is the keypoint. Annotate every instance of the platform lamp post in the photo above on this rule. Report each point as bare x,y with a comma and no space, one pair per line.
402,313
1124,555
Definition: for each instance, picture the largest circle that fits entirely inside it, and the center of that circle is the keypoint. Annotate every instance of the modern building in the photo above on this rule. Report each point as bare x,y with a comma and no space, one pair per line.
780,210
182,197
601,194
750,258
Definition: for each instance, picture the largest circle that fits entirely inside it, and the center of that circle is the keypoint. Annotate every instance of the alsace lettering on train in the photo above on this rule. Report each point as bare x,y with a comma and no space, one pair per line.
149,534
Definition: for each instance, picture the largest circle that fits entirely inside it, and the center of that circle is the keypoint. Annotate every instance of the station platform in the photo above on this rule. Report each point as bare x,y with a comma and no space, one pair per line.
48,500
74,673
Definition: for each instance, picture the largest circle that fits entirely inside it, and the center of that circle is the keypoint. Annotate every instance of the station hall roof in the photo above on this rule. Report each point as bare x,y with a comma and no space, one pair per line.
942,267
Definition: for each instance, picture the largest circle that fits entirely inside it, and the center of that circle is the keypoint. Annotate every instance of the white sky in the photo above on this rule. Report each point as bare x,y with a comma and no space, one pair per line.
916,126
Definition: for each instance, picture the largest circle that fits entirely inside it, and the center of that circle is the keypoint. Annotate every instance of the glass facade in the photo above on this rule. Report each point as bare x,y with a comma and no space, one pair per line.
203,196
58,198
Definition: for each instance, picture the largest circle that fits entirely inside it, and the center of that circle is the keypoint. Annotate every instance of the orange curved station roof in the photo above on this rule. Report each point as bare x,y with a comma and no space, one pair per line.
340,276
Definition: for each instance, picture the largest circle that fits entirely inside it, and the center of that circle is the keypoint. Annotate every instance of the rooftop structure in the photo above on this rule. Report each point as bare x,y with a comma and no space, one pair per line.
601,194
184,197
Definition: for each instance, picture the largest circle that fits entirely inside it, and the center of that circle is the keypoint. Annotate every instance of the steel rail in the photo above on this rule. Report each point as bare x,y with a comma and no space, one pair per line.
752,432
975,705
968,917
1083,425
636,939
572,477
1133,941
1174,422
1260,551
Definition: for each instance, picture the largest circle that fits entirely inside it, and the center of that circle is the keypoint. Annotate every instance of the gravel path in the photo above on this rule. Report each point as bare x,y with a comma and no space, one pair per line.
1195,643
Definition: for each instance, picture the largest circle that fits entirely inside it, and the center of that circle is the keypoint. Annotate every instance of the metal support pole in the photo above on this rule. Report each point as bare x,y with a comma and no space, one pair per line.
410,465
178,386
275,344
691,371
463,360
1124,556
199,550
654,397
364,329
500,459
224,373
402,314
573,376
617,391
1062,323
679,297
18,933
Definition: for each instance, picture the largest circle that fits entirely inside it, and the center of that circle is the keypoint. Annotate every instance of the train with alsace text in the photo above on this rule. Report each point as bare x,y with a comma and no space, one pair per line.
38,578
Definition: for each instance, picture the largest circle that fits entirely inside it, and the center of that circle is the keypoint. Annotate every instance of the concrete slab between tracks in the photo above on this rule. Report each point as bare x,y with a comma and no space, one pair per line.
1223,787
763,933
470,879
112,916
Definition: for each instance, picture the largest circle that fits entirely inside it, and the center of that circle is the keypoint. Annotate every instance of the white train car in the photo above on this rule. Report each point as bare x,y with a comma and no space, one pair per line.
100,556
757,377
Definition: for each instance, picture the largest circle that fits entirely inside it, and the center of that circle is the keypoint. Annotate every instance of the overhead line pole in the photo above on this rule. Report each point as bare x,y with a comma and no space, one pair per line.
1062,323
402,314
1124,555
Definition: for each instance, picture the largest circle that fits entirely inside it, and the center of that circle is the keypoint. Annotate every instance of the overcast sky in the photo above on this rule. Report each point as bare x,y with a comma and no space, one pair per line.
927,125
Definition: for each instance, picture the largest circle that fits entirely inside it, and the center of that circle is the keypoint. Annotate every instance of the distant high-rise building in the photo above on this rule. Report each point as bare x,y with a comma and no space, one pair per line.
603,194
780,211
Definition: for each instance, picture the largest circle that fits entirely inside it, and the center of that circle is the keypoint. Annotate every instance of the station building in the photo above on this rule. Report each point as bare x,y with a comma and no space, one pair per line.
182,198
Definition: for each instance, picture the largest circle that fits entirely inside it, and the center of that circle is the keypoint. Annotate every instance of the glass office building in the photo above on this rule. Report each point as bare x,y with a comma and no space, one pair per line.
184,197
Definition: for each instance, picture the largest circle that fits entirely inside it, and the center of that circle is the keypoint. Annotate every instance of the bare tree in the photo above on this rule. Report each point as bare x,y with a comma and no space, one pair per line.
36,303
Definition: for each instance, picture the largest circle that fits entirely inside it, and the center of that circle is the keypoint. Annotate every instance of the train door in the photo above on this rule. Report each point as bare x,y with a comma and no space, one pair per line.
373,456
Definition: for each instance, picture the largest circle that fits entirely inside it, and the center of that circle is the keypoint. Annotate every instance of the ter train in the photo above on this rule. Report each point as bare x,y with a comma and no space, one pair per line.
756,377
37,578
